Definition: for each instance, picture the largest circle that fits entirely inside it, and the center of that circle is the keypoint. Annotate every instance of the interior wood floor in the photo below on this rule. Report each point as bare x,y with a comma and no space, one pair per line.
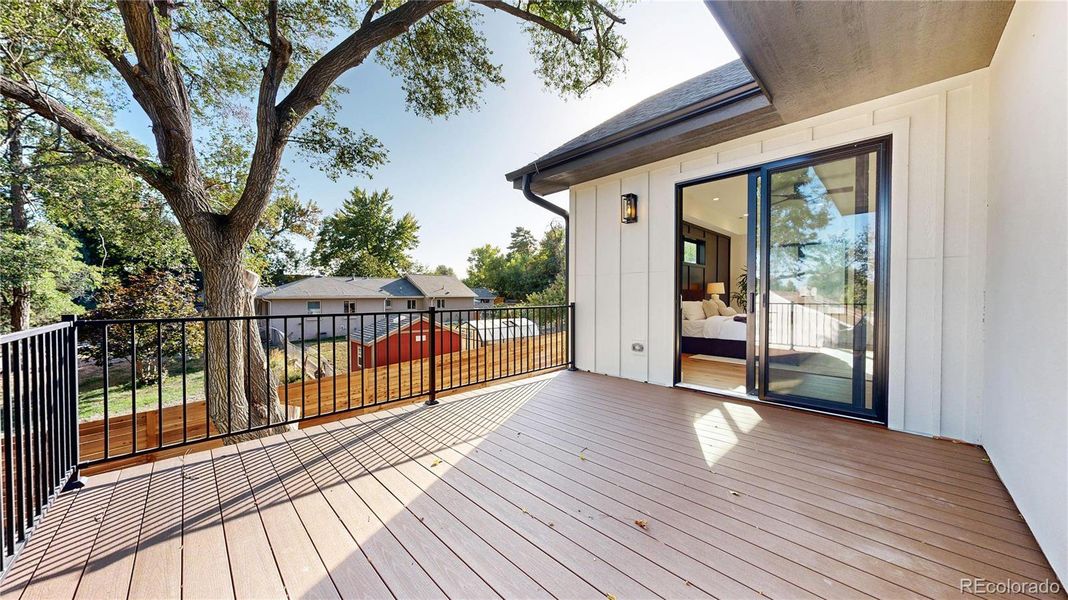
730,376
713,373
569,485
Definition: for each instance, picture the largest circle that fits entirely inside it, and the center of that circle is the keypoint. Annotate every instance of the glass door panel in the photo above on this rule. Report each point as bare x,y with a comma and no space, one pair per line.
819,283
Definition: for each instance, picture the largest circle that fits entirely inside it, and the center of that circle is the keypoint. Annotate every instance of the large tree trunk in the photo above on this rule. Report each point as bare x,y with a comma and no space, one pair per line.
20,293
241,392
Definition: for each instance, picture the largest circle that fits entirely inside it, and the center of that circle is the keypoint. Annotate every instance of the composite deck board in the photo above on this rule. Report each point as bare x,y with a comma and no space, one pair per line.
349,569
743,503
566,485
567,511
776,501
478,513
455,577
303,572
750,444
398,569
639,506
157,572
729,446
559,531
205,562
110,565
502,575
253,565
986,536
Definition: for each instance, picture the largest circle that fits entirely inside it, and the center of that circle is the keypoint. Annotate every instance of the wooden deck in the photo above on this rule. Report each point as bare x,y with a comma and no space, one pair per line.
569,485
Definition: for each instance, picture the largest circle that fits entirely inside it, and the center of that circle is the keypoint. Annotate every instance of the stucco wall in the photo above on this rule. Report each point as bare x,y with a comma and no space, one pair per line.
623,276
1025,409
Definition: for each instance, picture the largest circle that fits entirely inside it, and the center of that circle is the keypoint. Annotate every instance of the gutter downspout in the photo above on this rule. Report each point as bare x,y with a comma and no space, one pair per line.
549,206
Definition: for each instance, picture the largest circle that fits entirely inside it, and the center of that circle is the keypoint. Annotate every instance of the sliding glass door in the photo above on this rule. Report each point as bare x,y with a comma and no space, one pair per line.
820,247
812,284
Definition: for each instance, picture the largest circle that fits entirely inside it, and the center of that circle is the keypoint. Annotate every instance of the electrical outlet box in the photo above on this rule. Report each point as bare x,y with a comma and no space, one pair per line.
637,347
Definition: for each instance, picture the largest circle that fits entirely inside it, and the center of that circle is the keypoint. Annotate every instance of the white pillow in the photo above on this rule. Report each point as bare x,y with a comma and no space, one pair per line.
692,311
721,306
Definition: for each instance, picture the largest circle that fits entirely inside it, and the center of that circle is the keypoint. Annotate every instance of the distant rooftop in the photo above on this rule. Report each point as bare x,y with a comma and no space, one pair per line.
409,286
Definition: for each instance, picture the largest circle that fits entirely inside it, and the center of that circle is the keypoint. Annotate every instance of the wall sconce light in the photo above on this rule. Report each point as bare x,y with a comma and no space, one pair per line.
628,208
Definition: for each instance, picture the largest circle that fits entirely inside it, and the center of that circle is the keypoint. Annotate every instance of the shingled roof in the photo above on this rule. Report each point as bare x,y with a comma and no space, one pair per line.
343,287
700,94
409,286
689,92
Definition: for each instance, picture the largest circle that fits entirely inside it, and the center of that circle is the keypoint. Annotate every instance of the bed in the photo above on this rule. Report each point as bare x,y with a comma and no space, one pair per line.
714,336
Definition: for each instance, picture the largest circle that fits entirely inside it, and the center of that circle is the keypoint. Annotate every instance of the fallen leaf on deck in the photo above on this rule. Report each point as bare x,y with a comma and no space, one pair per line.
734,493
437,461
642,523
610,597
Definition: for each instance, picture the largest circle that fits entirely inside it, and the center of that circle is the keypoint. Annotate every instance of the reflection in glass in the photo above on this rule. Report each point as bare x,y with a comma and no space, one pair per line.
821,280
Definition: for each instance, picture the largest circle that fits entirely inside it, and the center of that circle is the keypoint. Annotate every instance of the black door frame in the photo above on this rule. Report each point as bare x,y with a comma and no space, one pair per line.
882,147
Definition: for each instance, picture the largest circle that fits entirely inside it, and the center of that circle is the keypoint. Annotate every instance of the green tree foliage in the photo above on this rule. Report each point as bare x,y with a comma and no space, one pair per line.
46,259
364,238
269,68
438,270
152,294
528,267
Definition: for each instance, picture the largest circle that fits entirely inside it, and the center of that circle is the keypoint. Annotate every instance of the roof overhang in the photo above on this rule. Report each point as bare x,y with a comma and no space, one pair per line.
815,57
735,113
808,58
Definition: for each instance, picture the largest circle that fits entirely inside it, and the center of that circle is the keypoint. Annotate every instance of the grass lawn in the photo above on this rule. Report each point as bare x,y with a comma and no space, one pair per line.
91,386
311,350
91,389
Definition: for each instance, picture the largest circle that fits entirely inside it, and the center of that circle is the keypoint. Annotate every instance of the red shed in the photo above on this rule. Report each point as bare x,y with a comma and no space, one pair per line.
394,339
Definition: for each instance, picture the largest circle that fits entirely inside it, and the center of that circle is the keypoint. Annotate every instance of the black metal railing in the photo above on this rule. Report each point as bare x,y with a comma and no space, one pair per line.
40,427
155,384
812,324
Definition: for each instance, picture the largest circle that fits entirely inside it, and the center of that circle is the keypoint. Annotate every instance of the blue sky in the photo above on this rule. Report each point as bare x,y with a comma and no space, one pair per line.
450,173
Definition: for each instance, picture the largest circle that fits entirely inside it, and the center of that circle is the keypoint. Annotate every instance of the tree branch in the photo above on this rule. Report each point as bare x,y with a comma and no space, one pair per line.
54,111
306,95
564,32
370,14
160,90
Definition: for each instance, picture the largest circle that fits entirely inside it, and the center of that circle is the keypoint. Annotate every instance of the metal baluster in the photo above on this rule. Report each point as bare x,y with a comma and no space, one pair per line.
185,395
229,382
133,387
159,382
9,460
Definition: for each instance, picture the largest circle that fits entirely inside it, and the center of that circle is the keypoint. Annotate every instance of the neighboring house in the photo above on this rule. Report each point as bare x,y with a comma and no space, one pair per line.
926,140
484,297
321,303
391,339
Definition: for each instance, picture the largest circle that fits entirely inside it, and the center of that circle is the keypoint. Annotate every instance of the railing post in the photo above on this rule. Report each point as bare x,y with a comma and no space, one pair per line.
75,481
571,336
433,358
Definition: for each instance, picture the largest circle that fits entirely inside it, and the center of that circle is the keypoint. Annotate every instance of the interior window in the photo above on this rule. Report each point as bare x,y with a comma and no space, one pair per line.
693,252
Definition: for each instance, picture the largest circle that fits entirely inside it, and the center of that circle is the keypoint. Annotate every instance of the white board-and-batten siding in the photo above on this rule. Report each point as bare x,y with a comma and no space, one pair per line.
623,275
